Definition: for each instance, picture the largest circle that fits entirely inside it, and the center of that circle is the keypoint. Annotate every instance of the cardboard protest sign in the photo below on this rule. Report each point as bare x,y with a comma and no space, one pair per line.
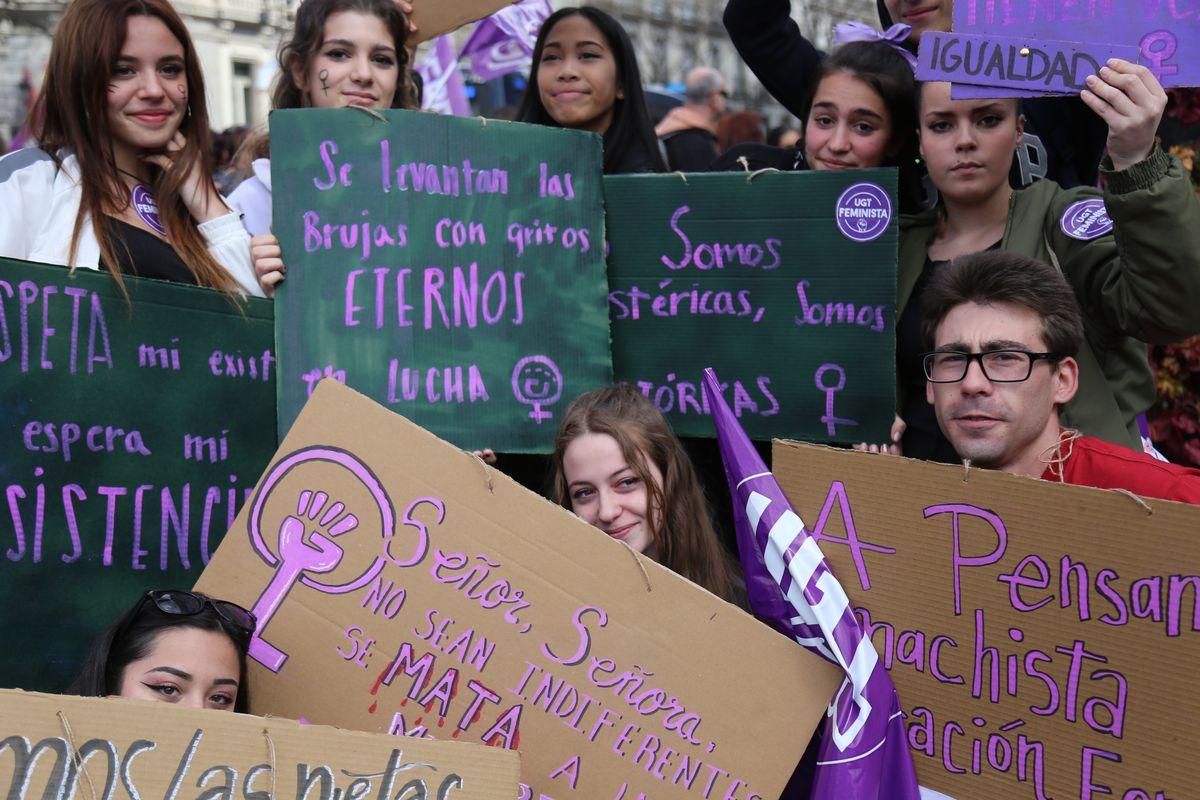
1035,69
78,747
784,283
450,268
435,17
131,432
1043,637
403,586
1163,34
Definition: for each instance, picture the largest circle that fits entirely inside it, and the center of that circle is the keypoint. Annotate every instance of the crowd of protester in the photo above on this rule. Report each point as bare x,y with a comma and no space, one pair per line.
1021,340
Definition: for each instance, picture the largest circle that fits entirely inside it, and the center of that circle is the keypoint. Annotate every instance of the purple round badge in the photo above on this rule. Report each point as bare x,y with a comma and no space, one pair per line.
147,209
864,212
1086,219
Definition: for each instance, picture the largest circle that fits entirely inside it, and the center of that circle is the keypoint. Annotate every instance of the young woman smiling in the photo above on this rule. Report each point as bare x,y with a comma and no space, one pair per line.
619,467
1131,252
123,177
342,53
585,76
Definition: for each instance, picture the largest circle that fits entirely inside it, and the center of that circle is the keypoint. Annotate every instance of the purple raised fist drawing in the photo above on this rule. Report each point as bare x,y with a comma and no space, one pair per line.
316,554
302,547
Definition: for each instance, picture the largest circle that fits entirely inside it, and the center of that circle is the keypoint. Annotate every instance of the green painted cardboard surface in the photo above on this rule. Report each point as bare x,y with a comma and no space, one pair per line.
84,530
509,332
707,272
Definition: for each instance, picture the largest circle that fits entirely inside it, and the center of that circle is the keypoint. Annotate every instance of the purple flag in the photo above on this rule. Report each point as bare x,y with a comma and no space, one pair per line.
864,755
503,42
444,90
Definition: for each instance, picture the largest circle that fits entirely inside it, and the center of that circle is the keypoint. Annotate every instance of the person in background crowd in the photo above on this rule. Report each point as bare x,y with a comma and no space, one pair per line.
585,76
1135,273
228,155
862,113
619,467
174,647
784,136
342,53
1004,331
689,132
740,127
122,177
1063,141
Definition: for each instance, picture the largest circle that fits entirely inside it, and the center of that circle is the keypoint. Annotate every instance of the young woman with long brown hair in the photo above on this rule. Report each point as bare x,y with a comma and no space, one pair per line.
341,54
122,178
619,467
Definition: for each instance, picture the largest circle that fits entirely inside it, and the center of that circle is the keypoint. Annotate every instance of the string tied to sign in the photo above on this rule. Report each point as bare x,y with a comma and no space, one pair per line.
750,178
75,757
1057,454
371,112
271,756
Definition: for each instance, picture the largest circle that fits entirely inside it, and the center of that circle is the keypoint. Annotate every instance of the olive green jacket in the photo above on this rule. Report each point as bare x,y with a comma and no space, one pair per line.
1138,284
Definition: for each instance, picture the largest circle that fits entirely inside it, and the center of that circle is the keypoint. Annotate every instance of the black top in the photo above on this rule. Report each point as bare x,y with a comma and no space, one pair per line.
634,160
690,150
923,438
142,254
1064,139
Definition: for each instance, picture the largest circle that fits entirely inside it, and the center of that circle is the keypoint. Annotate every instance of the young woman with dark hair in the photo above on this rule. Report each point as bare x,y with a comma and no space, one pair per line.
1130,251
619,467
341,54
175,647
585,76
860,112
122,179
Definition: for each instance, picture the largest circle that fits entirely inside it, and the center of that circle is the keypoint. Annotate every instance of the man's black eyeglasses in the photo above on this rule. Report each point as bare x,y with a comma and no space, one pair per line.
187,604
999,366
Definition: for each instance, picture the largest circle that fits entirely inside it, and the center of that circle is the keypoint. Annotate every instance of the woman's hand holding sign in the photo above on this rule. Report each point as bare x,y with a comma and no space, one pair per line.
1131,101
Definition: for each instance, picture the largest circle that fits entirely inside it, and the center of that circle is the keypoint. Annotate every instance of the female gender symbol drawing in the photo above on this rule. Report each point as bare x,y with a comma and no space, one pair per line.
536,381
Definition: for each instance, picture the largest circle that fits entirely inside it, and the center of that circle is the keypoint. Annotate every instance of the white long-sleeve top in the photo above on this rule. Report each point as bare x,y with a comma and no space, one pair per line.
40,200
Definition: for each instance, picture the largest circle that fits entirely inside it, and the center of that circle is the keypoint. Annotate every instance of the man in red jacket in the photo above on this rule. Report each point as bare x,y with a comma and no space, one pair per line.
1003,331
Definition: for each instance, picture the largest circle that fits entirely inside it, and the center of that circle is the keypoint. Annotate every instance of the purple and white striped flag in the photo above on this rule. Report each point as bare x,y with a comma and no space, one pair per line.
864,755
444,89
503,42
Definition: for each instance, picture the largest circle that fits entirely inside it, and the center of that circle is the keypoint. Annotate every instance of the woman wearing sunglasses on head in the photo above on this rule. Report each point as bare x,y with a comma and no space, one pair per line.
174,647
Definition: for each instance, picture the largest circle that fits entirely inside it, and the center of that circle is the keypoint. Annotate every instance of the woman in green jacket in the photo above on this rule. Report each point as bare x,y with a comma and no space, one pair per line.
1130,251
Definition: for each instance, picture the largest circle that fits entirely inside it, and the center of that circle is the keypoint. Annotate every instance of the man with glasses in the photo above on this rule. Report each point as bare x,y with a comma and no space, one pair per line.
1003,332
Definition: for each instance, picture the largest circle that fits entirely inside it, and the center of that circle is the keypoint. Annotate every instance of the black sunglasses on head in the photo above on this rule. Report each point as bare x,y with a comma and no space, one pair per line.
177,603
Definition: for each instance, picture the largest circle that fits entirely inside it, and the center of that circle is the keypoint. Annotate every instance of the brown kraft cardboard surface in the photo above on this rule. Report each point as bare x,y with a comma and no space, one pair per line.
435,17
403,586
56,746
1043,637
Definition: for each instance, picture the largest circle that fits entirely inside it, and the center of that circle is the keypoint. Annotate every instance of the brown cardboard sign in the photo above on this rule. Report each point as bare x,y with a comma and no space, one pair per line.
1043,637
403,586
100,748
435,17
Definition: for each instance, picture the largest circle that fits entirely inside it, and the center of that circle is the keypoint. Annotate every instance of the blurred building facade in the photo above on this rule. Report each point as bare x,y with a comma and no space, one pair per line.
237,42
235,39
672,36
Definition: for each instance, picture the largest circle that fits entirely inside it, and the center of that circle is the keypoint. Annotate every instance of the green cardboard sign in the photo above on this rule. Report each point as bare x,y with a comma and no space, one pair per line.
449,268
784,283
130,433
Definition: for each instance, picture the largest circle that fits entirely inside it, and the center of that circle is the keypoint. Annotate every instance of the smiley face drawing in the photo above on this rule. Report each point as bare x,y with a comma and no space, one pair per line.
537,382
